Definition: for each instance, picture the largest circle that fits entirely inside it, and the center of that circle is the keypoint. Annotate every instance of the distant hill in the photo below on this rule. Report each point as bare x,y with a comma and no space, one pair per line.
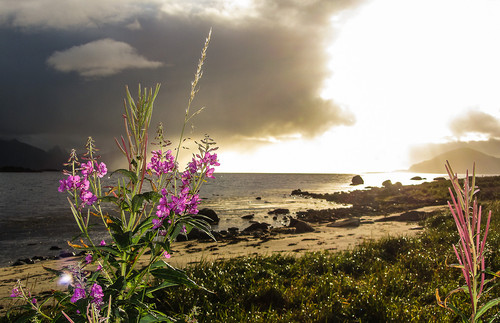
19,156
461,160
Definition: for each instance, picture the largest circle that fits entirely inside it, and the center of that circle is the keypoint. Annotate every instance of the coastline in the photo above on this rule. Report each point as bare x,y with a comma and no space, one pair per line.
190,252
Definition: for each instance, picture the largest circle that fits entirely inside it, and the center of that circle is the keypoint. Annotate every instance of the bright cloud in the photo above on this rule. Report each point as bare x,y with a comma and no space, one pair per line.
62,14
226,9
99,58
476,122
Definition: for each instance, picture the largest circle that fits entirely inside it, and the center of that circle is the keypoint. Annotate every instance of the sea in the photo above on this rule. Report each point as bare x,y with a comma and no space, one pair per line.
35,219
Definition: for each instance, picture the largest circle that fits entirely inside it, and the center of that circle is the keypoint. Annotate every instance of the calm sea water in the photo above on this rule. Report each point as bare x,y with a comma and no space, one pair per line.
34,216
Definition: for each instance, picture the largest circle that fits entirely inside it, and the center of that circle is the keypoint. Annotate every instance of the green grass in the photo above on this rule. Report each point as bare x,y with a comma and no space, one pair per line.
393,279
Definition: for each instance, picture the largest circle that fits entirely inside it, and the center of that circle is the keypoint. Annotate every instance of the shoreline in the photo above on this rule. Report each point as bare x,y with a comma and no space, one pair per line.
190,252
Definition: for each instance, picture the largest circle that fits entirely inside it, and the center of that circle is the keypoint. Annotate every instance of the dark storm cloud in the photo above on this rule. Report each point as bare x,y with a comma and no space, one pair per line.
64,70
475,121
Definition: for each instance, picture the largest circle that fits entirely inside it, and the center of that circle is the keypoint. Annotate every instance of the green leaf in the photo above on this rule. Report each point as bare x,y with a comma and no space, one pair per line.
109,198
137,202
149,318
202,225
177,230
116,225
131,175
118,284
171,276
458,312
151,196
144,225
486,307
109,250
125,206
159,287
123,240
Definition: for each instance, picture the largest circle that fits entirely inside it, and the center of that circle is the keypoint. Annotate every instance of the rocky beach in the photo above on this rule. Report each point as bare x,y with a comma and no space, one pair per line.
391,210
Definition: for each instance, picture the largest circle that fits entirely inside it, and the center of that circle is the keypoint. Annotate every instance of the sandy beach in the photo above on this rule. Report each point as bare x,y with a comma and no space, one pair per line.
190,252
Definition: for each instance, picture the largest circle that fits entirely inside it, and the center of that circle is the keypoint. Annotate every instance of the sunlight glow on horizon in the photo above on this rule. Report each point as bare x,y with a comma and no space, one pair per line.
405,69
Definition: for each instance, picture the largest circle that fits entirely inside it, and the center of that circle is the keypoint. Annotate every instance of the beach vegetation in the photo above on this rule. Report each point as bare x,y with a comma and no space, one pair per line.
393,279
155,201
471,249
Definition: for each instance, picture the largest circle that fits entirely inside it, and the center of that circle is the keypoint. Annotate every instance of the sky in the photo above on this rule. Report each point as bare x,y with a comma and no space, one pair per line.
303,86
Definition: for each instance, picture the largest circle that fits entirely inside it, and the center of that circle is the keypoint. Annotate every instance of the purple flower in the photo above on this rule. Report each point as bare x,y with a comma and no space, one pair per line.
210,173
62,186
88,197
166,255
33,301
103,243
87,168
102,170
88,258
96,293
162,164
83,184
15,292
71,183
157,223
192,204
78,294
178,204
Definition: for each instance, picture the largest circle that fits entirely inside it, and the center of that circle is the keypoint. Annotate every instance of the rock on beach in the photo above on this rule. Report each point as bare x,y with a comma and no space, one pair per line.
357,180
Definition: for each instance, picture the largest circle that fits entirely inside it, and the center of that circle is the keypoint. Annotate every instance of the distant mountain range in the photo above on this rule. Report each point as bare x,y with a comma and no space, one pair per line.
461,160
19,156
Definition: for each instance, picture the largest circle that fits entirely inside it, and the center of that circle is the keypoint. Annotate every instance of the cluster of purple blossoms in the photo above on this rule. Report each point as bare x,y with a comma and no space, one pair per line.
81,184
80,288
97,294
162,164
201,164
16,292
90,167
185,201
78,293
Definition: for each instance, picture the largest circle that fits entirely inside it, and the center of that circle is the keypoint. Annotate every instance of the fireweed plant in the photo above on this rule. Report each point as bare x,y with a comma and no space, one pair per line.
470,252
156,201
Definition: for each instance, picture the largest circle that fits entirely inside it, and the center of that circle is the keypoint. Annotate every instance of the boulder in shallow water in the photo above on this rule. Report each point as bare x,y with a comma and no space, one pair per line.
357,180
279,211
300,226
256,227
214,218
387,183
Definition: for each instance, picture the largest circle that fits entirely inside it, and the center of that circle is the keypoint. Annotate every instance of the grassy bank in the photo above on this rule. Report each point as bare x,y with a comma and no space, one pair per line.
394,279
